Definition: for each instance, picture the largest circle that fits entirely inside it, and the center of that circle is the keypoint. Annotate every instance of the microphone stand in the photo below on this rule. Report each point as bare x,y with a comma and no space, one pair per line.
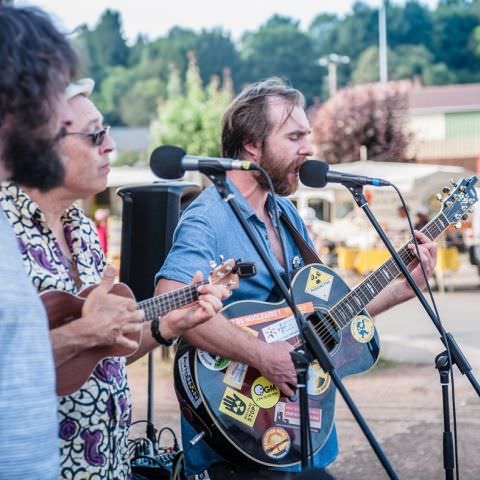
442,360
310,339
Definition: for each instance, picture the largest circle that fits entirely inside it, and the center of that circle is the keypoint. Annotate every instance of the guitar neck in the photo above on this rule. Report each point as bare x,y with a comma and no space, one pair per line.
162,304
358,298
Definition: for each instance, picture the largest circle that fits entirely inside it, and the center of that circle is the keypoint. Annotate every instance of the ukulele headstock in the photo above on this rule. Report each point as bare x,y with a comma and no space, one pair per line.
225,274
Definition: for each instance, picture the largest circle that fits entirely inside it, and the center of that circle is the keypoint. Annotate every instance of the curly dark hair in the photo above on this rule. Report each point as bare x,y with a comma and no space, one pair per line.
36,64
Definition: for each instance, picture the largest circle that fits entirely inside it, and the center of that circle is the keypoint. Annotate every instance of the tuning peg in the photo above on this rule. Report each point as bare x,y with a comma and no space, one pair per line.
464,216
213,264
470,210
458,225
222,258
453,182
446,189
439,197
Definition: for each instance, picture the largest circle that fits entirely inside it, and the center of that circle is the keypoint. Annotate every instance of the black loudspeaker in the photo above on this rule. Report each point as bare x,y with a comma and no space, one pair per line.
150,215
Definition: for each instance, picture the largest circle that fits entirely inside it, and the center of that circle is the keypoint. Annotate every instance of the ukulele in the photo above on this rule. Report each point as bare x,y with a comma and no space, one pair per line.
63,308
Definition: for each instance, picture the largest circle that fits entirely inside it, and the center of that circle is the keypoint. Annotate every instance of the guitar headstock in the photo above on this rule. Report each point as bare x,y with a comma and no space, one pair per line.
459,202
225,274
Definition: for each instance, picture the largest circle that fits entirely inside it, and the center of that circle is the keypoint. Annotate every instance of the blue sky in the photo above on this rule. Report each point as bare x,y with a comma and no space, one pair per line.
155,18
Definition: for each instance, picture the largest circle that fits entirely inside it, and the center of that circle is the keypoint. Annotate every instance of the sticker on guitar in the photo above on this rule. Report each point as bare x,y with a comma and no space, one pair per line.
319,284
276,442
264,393
362,328
235,374
281,331
239,407
212,362
288,415
318,380
187,380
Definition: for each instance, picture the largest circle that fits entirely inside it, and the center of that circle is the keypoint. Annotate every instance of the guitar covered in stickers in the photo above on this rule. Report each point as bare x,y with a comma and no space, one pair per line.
246,418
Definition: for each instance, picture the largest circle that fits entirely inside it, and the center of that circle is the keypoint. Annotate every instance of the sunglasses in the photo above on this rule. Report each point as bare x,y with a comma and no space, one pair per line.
96,138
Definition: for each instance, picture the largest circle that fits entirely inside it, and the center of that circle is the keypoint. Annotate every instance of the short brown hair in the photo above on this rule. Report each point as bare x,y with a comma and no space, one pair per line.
246,119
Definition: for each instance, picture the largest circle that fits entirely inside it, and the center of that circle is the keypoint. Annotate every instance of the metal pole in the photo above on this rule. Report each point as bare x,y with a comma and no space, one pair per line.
382,43
332,79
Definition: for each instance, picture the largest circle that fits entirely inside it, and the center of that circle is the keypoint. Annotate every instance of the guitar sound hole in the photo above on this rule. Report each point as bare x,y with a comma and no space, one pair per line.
326,328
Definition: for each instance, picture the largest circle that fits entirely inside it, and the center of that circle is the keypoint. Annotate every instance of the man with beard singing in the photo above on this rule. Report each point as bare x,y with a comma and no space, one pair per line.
266,124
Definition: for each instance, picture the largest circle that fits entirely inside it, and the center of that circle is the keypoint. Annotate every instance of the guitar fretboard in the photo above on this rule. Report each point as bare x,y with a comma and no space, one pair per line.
357,299
162,304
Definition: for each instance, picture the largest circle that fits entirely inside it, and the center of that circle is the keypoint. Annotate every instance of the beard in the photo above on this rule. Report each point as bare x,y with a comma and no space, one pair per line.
279,174
33,162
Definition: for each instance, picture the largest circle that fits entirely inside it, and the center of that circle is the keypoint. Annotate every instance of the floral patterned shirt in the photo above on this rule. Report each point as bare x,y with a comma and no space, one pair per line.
94,421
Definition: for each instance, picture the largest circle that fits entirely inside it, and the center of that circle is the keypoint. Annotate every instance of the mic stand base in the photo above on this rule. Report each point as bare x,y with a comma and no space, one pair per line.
443,366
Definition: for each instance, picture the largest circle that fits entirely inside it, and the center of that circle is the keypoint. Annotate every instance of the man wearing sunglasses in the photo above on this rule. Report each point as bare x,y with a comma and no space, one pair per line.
61,250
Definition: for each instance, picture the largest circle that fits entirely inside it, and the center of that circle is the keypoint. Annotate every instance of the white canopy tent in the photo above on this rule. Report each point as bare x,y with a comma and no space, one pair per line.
418,183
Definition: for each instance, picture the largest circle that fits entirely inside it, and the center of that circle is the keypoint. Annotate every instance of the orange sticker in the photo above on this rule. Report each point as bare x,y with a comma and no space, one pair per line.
276,442
270,315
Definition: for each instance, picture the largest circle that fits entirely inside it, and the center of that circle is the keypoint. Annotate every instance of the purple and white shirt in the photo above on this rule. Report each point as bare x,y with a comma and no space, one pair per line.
94,421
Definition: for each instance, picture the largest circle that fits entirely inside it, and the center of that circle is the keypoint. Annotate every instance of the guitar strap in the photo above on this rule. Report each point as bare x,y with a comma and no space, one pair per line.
308,253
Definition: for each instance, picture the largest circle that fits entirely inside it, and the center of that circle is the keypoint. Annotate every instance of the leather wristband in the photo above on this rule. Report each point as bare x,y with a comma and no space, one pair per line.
155,329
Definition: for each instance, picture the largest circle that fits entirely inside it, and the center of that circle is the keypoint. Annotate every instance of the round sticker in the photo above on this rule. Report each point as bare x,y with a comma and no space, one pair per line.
265,394
212,362
318,380
362,328
276,442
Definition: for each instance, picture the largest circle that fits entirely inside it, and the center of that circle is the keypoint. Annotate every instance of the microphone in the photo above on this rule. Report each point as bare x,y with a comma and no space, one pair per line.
171,162
316,174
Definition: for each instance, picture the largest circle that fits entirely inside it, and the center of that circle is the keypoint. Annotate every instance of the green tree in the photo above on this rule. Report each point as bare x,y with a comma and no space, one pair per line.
454,30
280,48
138,106
190,117
113,89
215,51
405,62
107,42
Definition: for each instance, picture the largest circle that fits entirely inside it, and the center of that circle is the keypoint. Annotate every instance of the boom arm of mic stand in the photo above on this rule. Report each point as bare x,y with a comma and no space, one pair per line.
311,340
457,355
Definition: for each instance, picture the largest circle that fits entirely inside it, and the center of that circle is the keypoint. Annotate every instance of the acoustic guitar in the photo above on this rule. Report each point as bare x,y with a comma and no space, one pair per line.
63,308
242,415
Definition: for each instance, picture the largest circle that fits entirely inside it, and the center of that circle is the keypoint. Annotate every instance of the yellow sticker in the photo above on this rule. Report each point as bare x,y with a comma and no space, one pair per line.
362,328
235,374
318,380
319,284
238,406
276,442
265,393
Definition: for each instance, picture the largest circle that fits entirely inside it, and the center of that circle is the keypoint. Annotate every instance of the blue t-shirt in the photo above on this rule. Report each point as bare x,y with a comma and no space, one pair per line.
208,229
29,447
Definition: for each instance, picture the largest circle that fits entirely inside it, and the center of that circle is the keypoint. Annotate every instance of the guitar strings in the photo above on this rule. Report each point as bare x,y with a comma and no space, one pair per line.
373,284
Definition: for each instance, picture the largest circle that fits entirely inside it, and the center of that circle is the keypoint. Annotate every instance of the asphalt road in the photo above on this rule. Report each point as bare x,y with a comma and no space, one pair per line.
408,335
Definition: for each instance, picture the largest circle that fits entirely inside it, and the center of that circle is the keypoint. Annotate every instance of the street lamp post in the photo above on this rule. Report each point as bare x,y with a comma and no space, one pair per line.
331,61
382,43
